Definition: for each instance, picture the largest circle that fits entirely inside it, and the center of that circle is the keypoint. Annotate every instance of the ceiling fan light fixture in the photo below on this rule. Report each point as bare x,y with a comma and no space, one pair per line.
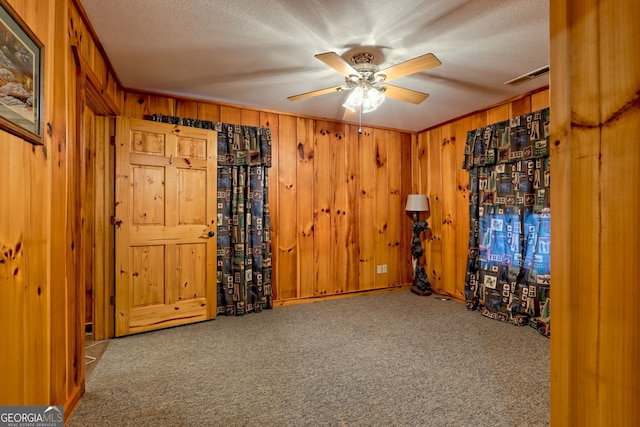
365,97
373,99
354,100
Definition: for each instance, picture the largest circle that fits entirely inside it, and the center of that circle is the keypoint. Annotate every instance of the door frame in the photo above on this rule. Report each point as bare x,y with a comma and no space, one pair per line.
95,157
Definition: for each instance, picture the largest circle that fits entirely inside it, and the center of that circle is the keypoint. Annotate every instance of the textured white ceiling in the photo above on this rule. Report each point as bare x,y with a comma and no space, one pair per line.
256,53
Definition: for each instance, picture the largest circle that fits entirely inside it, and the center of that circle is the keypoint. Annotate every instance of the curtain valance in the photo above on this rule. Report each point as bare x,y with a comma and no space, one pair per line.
238,145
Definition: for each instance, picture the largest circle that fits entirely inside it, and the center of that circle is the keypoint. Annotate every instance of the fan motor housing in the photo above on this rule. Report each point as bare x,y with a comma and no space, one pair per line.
363,62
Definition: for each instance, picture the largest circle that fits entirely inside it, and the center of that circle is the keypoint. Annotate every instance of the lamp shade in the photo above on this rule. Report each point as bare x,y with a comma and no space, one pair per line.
417,203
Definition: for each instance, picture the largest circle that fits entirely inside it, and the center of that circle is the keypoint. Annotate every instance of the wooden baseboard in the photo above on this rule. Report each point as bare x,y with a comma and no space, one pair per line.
72,401
306,300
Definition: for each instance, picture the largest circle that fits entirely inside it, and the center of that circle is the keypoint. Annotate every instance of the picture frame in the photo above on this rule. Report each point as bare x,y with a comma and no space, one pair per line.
21,63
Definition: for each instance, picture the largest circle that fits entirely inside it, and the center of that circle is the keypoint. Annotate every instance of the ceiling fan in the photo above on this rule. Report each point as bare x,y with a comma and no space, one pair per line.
369,83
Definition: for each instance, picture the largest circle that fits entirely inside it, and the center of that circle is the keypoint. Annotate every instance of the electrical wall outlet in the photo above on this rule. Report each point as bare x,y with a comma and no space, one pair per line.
379,269
384,268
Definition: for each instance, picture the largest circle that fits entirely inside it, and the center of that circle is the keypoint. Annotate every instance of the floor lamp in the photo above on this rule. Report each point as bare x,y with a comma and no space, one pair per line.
417,203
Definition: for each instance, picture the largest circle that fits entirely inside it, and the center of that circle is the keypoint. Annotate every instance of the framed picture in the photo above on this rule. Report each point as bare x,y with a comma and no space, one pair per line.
20,77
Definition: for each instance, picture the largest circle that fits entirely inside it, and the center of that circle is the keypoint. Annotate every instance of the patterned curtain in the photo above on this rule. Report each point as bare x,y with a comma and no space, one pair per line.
244,226
508,268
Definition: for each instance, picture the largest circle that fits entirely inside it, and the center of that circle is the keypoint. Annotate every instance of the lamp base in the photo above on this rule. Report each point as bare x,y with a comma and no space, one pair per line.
420,285
423,293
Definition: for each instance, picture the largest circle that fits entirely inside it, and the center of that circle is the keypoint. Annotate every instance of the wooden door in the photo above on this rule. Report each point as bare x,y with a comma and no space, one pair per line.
165,218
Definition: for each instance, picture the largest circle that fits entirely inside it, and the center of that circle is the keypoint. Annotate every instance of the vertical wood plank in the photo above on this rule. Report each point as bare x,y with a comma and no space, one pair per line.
417,162
101,221
433,246
478,120
208,111
304,205
619,362
187,108
100,67
250,118
113,91
560,127
230,115
620,322
88,211
395,210
381,213
498,113
585,154
520,106
272,121
135,105
353,208
461,128
211,287
322,207
338,251
287,191
85,43
584,216
367,210
37,287
13,228
449,216
539,100
162,105
407,144
421,153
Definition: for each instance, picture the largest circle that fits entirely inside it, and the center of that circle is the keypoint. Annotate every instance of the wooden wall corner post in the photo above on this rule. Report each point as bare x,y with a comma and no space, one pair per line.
595,198
560,124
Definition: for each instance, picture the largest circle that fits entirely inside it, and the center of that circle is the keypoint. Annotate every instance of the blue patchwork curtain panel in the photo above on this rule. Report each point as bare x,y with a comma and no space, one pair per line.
508,274
244,225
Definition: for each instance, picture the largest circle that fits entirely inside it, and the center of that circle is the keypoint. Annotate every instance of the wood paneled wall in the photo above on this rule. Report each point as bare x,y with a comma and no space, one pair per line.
33,332
437,172
25,206
41,211
336,197
595,200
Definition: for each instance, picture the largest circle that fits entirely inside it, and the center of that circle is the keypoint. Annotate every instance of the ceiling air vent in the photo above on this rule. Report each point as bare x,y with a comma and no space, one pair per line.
529,76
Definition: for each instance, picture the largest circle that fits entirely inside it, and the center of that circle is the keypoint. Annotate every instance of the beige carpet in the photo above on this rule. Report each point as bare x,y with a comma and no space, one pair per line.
393,359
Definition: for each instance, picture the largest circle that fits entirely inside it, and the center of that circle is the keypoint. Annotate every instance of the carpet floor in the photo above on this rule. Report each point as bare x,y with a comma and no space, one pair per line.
389,359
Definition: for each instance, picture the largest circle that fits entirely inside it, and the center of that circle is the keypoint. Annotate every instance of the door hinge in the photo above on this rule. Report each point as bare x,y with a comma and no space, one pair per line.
112,300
